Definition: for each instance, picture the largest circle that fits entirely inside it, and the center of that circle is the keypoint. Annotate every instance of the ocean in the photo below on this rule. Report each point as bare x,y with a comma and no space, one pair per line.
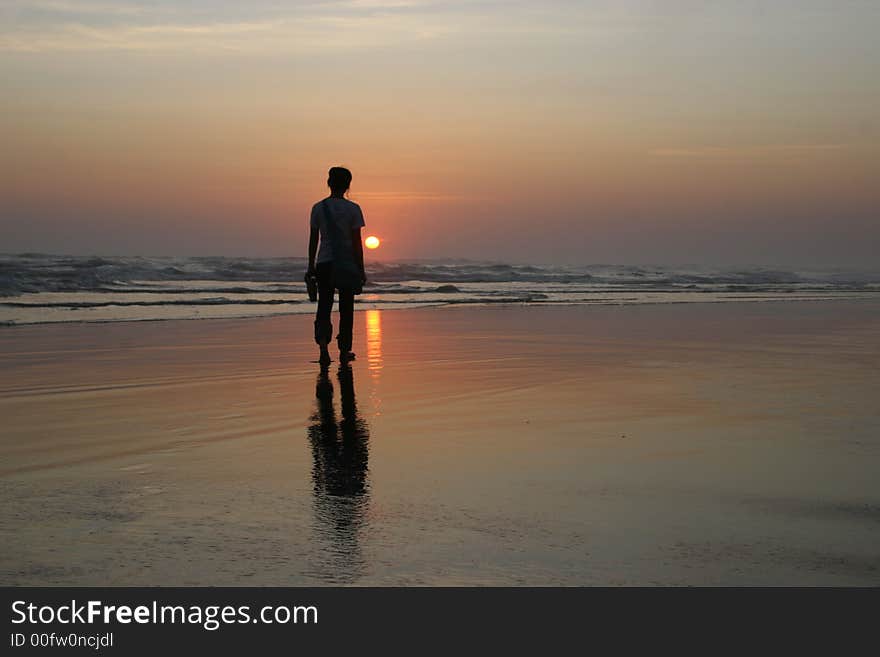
41,288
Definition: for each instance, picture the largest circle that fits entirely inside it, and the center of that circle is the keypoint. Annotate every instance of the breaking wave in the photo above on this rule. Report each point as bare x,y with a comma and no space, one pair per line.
38,287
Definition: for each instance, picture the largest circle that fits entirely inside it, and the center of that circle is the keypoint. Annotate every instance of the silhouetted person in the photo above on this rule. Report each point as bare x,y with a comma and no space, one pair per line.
336,223
340,452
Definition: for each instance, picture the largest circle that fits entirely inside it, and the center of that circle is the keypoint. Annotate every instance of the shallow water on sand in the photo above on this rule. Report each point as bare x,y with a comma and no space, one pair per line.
711,444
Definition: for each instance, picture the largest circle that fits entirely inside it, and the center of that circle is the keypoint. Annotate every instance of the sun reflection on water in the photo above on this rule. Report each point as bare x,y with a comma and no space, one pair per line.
374,342
374,355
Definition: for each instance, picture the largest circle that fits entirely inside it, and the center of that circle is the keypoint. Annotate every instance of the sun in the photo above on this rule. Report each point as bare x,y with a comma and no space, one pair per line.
372,242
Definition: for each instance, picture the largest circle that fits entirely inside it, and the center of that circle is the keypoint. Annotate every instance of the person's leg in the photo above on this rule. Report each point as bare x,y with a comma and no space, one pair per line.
346,321
323,325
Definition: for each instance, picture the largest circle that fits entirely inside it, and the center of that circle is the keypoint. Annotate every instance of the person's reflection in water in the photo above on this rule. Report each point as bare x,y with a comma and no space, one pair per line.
340,451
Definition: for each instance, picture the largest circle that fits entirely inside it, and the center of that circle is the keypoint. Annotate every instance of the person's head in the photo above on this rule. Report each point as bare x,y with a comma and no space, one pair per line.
339,180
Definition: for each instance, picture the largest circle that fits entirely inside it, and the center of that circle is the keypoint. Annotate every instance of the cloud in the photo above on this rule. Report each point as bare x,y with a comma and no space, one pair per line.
78,7
747,150
83,37
410,196
309,27
285,35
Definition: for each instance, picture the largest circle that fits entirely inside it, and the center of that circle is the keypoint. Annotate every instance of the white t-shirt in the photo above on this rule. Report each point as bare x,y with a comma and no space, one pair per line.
346,215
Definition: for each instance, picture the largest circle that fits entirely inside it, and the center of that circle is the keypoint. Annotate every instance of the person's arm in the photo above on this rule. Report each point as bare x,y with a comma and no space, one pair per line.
358,248
313,247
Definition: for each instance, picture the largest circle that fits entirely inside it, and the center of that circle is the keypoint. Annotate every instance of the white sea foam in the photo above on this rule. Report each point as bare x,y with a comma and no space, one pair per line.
36,288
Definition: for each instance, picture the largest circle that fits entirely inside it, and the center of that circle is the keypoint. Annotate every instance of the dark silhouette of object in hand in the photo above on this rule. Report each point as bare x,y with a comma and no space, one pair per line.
340,453
311,280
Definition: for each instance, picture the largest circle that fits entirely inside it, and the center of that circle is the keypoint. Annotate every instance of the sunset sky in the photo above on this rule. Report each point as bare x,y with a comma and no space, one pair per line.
557,131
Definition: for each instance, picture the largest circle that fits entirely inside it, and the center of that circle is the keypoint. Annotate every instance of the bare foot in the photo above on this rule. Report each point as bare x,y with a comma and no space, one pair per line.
345,356
324,358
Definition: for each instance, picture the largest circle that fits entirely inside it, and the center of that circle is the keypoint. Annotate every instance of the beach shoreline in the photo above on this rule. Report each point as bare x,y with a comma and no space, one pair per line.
364,306
44,289
698,444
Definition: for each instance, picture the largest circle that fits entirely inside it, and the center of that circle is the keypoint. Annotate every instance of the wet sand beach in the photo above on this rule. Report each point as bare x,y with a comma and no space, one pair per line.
702,444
